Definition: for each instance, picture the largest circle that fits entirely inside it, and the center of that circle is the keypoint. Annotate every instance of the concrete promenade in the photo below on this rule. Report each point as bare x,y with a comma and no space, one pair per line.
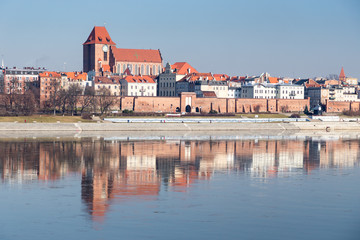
184,127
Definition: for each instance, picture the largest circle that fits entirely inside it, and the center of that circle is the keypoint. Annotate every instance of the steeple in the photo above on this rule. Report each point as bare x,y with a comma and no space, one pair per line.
342,76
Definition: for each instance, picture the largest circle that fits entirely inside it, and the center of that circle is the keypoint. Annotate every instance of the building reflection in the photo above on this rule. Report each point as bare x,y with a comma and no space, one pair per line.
117,171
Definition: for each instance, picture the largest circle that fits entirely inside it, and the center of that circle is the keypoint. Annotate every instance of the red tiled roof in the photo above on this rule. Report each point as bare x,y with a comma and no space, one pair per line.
209,93
99,35
237,79
183,68
136,55
274,80
221,77
205,76
50,74
105,68
77,76
139,79
106,80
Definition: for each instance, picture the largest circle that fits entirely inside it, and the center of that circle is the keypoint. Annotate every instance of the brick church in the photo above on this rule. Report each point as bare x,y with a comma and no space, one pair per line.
100,54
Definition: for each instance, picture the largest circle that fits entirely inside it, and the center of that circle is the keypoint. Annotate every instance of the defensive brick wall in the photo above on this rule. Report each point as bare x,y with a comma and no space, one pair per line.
337,107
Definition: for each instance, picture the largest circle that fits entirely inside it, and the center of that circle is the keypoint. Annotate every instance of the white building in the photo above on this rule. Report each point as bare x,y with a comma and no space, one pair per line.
138,86
234,92
269,91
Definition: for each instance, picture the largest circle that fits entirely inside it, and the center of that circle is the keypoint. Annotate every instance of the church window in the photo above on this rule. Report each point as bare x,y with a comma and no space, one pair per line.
154,70
136,69
105,56
124,68
118,68
142,69
147,70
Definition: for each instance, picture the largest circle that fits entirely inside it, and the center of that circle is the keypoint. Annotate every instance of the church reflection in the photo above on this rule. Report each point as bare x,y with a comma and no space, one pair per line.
116,171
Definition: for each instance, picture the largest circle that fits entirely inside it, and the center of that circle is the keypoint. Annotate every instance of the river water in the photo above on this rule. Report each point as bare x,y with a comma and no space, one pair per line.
254,188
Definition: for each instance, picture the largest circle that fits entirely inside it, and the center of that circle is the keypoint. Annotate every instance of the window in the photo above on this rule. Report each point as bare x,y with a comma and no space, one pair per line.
154,70
147,70
142,69
105,56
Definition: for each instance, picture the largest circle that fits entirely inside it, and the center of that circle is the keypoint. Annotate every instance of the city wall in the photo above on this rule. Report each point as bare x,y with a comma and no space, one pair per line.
338,107
189,102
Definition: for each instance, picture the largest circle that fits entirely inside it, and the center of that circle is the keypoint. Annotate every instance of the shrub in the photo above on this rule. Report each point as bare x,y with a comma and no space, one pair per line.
213,112
351,113
127,111
86,116
295,115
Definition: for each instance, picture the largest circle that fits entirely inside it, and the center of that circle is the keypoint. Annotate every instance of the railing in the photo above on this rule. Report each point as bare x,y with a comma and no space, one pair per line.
203,120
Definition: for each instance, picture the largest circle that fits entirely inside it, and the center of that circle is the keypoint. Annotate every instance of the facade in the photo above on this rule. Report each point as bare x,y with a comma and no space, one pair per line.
197,82
101,55
269,91
138,86
138,61
290,91
167,82
110,82
220,88
79,79
171,75
50,83
320,95
266,91
19,80
96,50
234,92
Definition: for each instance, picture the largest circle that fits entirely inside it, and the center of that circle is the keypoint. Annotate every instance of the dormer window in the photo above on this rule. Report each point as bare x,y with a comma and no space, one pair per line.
107,39
100,39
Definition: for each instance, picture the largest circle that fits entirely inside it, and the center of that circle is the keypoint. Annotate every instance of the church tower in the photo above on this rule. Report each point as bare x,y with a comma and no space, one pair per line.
342,76
96,50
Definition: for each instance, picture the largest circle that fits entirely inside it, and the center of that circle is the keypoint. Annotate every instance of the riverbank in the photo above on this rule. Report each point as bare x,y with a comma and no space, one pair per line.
165,126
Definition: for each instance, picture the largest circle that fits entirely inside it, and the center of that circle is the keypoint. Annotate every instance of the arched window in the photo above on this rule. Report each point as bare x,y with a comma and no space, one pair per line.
142,69
136,70
154,70
124,68
118,69
147,70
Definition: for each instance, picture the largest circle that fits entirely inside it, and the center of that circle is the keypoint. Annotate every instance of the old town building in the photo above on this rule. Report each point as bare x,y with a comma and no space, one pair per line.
172,74
19,80
112,83
50,84
138,86
100,54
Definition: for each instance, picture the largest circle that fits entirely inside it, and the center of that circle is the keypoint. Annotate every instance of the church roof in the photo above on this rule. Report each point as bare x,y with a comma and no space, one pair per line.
342,74
182,68
99,35
136,55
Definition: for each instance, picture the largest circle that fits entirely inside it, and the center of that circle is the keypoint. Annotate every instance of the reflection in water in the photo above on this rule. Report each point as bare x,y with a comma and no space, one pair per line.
128,170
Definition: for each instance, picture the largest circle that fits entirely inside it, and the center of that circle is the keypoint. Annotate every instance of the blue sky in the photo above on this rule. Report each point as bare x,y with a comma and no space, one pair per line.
304,38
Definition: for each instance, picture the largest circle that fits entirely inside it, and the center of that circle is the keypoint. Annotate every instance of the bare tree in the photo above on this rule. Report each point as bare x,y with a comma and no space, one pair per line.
88,100
105,100
73,96
54,92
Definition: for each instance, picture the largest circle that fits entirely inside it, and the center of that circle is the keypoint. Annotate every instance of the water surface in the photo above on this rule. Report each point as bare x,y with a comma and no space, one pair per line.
259,188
